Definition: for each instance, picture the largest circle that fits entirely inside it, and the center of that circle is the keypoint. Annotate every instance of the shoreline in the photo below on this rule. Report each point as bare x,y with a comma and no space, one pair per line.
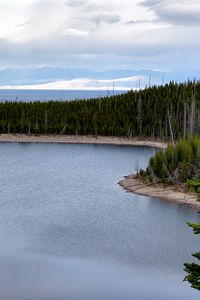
158,190
130,184
73,139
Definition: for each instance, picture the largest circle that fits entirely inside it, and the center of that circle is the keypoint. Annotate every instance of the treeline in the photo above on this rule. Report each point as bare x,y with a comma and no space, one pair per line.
166,112
178,164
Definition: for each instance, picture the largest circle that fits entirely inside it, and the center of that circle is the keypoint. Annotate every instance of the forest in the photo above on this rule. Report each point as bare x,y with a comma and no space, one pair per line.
179,164
164,112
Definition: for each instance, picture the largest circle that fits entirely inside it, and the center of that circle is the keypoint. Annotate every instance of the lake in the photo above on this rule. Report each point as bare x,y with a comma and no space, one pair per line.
68,231
54,95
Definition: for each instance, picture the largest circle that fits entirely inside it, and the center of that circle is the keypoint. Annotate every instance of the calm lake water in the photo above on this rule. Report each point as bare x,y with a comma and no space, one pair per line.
68,231
48,95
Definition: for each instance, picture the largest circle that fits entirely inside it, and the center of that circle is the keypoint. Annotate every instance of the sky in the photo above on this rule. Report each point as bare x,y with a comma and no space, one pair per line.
100,34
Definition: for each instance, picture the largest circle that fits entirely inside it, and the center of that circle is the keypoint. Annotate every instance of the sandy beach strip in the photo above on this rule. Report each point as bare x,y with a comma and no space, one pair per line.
158,190
73,139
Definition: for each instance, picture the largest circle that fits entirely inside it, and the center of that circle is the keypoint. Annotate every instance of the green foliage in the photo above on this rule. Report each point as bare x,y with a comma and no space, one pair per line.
142,173
179,163
193,276
142,113
193,269
195,185
195,227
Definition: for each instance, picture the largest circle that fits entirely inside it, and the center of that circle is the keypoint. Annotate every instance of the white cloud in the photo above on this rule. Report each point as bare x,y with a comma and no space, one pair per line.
74,32
100,34
110,19
19,2
179,12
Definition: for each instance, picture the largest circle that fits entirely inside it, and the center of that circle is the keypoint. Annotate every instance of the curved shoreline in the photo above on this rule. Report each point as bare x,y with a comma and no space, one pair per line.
73,139
158,190
130,184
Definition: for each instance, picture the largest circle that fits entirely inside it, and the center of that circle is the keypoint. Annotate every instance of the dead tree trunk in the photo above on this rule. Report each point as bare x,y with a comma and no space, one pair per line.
170,127
184,121
192,115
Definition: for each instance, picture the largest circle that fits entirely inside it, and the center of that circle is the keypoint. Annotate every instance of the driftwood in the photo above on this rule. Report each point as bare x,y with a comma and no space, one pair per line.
141,186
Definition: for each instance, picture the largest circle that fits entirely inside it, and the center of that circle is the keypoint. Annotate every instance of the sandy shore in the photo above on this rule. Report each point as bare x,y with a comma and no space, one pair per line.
72,139
169,193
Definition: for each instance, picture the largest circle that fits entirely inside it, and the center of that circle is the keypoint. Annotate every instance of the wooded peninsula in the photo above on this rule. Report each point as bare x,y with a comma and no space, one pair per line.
164,112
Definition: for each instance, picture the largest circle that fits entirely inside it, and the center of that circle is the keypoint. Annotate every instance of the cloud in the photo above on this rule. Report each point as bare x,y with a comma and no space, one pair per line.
110,19
75,3
22,24
132,22
74,32
177,12
99,34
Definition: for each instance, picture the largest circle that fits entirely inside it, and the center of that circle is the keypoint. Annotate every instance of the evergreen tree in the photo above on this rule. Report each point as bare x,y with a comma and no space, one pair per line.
193,269
165,112
178,163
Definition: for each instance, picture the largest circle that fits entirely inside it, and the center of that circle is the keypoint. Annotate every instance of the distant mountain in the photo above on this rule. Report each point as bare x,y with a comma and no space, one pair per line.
45,75
109,85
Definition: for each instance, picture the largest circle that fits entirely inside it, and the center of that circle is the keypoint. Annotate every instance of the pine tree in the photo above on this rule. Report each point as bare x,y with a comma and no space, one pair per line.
193,269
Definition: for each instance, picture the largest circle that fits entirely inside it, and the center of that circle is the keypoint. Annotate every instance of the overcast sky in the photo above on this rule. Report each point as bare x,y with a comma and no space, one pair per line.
100,34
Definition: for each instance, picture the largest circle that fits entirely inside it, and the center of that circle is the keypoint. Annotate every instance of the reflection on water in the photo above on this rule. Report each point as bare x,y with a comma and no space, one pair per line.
68,231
